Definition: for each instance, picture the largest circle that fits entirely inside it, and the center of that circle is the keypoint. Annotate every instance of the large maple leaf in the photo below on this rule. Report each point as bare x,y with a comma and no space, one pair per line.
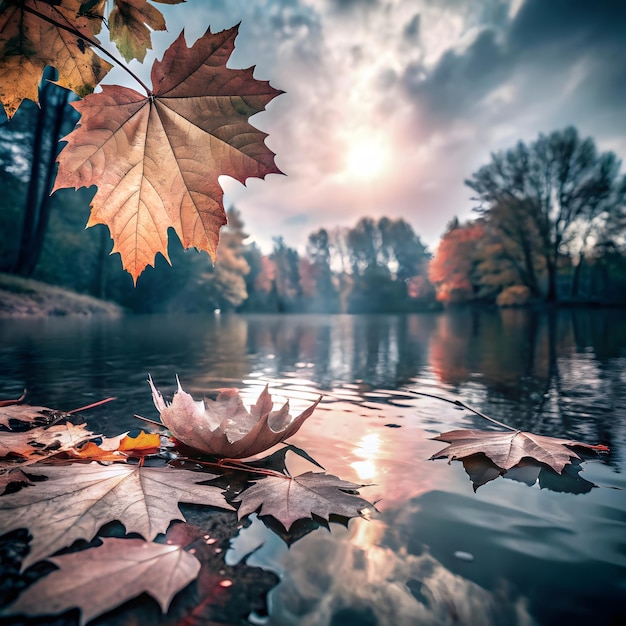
507,449
36,33
289,499
77,500
101,578
156,158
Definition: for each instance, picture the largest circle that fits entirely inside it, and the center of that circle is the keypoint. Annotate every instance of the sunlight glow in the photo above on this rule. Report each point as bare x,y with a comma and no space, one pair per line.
367,157
367,449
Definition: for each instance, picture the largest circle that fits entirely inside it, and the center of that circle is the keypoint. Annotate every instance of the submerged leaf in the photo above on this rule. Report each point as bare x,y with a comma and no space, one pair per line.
507,449
101,578
289,499
224,427
77,500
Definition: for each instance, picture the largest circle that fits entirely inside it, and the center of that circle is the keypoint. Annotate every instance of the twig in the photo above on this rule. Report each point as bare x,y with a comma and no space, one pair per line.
12,402
464,406
145,419
233,464
91,406
91,42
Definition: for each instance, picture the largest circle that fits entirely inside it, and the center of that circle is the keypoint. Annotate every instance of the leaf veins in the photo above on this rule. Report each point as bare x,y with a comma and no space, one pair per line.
77,500
156,158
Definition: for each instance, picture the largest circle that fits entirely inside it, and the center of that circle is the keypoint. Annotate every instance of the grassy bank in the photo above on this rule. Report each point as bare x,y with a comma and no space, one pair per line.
22,297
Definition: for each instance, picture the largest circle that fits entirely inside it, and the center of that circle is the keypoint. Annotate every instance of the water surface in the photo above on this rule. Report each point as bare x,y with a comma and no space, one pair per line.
528,548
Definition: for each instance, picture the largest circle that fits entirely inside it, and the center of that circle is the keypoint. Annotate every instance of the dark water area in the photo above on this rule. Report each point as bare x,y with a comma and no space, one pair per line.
530,547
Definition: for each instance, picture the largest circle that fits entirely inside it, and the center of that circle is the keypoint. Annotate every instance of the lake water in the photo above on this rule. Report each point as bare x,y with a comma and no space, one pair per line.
526,548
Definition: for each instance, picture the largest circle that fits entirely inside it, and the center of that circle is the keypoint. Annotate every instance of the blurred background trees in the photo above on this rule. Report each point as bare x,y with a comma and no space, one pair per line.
550,226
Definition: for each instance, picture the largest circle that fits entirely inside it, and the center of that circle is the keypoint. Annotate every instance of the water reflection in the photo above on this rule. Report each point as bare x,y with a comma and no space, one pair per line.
538,555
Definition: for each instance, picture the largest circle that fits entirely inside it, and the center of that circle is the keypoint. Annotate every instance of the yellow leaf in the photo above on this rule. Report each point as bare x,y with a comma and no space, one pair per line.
31,37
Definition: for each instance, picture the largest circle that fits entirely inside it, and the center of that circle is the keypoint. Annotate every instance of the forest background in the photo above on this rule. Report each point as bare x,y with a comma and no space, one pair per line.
549,227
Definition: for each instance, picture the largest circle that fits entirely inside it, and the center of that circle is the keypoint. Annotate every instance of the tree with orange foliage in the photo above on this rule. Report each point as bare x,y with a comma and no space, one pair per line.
452,269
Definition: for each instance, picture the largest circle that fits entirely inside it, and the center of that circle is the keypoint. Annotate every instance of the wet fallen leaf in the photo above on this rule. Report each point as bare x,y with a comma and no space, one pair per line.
507,449
99,579
42,439
156,158
224,427
292,498
28,43
143,442
14,475
77,500
13,411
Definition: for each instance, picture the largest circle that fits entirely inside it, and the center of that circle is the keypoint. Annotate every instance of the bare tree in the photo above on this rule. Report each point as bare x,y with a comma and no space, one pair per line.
550,197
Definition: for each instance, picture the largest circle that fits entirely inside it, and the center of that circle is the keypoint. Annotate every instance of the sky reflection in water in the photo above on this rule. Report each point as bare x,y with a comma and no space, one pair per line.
539,556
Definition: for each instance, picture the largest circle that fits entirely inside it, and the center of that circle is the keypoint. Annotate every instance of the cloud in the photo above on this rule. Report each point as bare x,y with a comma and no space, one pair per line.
440,84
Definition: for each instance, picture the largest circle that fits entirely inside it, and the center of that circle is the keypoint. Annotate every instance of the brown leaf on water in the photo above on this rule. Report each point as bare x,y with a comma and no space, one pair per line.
29,43
156,158
99,579
77,500
12,410
13,475
289,499
507,449
43,439
224,427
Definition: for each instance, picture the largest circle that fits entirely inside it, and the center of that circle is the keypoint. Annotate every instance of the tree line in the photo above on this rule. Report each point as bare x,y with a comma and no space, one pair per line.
549,226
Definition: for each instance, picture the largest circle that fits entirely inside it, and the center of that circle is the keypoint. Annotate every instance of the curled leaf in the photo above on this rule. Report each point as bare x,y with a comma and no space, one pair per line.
224,427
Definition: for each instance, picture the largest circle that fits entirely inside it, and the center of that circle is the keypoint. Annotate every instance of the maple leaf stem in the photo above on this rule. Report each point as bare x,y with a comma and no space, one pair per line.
235,465
146,419
91,42
91,406
12,402
463,406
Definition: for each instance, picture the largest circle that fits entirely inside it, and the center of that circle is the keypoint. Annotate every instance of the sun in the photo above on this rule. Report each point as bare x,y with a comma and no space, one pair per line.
367,157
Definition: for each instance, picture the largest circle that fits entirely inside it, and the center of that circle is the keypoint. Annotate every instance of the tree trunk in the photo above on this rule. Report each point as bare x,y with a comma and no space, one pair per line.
50,117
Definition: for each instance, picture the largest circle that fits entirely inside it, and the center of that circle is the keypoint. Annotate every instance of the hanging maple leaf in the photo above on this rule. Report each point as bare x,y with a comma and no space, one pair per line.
224,427
77,500
156,158
507,449
130,23
292,498
99,579
37,33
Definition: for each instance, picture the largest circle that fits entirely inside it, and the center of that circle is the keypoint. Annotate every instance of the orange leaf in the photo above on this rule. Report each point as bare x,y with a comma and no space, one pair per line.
142,442
156,159
93,452
29,42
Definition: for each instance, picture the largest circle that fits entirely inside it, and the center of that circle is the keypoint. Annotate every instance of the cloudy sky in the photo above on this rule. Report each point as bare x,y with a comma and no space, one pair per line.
391,104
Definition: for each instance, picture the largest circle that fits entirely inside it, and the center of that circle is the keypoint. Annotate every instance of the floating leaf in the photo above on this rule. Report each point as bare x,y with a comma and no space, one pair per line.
101,578
292,498
507,449
77,500
224,427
